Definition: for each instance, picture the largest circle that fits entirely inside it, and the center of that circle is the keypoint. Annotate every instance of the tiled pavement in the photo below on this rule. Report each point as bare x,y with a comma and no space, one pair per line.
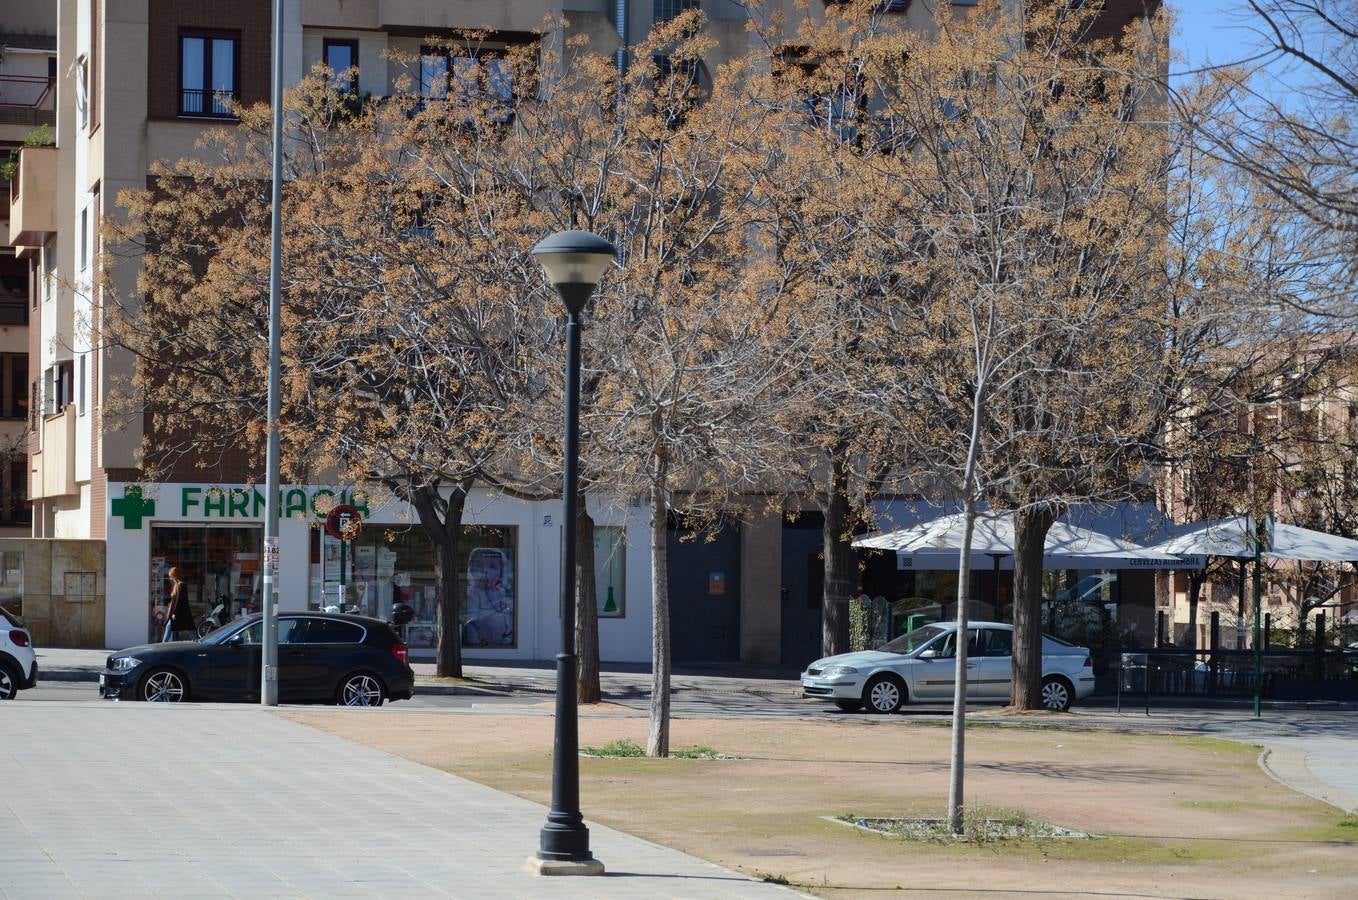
145,800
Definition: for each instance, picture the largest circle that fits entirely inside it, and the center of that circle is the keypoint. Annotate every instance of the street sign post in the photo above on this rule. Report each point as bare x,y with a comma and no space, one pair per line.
343,524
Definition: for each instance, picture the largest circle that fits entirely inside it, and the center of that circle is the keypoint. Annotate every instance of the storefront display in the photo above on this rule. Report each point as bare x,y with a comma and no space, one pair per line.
217,565
385,566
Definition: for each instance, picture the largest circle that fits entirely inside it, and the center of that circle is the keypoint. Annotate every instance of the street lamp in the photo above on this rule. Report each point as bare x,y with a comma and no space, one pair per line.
574,262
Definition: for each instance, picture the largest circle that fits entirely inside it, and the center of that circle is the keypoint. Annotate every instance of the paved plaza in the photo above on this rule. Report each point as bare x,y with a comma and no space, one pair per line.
139,800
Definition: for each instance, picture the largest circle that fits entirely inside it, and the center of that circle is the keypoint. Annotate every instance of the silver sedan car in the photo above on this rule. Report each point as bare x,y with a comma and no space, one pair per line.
920,666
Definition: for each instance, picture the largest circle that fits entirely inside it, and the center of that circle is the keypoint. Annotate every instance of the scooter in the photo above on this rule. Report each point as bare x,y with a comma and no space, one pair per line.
219,616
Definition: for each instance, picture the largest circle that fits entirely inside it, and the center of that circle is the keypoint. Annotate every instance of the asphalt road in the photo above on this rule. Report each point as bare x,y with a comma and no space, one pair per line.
721,704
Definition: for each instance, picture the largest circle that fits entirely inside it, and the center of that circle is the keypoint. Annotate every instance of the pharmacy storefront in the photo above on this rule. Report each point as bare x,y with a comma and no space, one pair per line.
508,566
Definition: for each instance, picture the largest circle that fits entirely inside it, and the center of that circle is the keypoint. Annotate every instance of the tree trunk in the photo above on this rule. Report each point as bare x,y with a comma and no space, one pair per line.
957,762
586,609
445,531
1030,537
1194,592
658,740
841,563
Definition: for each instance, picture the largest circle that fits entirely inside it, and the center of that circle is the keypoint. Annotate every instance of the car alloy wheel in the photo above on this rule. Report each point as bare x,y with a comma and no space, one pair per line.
1055,695
361,690
163,686
883,695
9,685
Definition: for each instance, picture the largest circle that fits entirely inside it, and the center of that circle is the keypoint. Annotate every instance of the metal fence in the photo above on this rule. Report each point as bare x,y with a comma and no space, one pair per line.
1285,674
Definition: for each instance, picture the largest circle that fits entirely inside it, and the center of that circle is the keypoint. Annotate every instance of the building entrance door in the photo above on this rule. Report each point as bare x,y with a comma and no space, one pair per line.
704,580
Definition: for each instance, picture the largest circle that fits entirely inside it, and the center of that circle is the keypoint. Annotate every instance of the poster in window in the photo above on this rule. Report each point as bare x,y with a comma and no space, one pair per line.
610,548
488,608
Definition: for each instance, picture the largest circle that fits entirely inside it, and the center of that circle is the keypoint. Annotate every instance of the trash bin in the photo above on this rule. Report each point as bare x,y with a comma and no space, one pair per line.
1133,669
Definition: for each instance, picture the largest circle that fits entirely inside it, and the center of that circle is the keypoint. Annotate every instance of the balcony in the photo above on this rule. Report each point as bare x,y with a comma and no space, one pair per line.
27,99
54,467
33,197
491,15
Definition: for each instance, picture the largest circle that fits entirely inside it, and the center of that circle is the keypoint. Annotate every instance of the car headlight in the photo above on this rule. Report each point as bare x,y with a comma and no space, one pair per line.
841,670
124,663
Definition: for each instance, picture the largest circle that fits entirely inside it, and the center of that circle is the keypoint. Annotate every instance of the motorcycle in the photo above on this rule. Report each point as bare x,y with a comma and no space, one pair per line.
219,616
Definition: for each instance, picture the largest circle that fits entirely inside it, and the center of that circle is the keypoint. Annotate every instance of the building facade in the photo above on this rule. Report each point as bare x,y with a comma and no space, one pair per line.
138,81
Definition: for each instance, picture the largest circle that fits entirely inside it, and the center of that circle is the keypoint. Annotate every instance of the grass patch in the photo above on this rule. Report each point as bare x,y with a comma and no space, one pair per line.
623,748
619,749
979,826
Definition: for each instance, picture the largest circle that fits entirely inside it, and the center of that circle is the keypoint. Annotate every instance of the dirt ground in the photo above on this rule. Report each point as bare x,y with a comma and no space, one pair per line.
1179,817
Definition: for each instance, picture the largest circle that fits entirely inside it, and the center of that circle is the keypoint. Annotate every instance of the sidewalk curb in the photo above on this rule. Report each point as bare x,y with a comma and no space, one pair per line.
1287,766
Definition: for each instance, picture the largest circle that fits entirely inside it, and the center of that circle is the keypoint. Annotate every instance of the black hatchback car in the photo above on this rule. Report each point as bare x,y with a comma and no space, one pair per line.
322,658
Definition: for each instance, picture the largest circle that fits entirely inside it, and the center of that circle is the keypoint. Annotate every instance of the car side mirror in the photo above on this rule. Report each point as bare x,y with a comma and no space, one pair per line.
928,654
236,640
402,613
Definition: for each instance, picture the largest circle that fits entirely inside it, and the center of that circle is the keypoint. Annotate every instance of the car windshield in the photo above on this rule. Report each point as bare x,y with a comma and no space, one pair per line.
913,640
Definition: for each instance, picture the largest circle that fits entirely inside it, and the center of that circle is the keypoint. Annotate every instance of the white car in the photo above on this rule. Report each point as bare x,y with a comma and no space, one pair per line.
18,661
920,666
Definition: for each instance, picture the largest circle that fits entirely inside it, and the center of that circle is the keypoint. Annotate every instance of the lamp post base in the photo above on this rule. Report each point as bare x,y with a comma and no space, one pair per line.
538,866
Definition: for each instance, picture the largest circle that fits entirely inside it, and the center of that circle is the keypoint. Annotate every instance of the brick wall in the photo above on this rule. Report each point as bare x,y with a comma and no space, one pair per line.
250,17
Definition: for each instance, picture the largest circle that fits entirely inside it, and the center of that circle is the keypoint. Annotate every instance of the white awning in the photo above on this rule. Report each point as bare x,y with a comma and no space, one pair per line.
938,543
1234,537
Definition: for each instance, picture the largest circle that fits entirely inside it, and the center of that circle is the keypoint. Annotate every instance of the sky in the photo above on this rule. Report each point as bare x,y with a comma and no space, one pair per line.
1211,32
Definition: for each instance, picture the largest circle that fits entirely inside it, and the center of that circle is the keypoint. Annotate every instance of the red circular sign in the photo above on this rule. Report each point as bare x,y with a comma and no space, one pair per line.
343,522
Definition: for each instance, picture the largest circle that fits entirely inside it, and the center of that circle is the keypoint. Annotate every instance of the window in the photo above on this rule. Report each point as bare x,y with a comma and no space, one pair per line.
610,585
341,56
330,631
59,385
664,10
49,270
94,229
207,74
80,389
996,642
84,239
475,78
14,386
290,631
94,63
14,277
82,91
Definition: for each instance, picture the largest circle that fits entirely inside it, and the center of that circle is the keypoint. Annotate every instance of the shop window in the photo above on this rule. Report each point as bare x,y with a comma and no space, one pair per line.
610,585
384,566
217,565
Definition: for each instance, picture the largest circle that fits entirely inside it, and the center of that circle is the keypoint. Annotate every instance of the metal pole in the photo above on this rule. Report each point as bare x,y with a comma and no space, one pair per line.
344,590
565,838
268,688
1258,603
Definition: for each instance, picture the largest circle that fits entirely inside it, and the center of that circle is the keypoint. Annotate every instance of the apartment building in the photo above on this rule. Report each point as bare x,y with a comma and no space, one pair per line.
1304,470
28,66
137,81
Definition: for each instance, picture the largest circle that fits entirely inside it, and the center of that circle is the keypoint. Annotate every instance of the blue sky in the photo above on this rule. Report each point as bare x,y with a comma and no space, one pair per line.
1211,31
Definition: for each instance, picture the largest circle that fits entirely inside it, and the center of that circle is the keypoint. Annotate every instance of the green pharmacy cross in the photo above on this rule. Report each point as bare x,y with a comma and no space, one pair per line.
132,507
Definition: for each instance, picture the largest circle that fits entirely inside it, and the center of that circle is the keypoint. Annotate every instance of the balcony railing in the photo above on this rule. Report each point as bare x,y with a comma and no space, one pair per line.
214,104
27,100
29,91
